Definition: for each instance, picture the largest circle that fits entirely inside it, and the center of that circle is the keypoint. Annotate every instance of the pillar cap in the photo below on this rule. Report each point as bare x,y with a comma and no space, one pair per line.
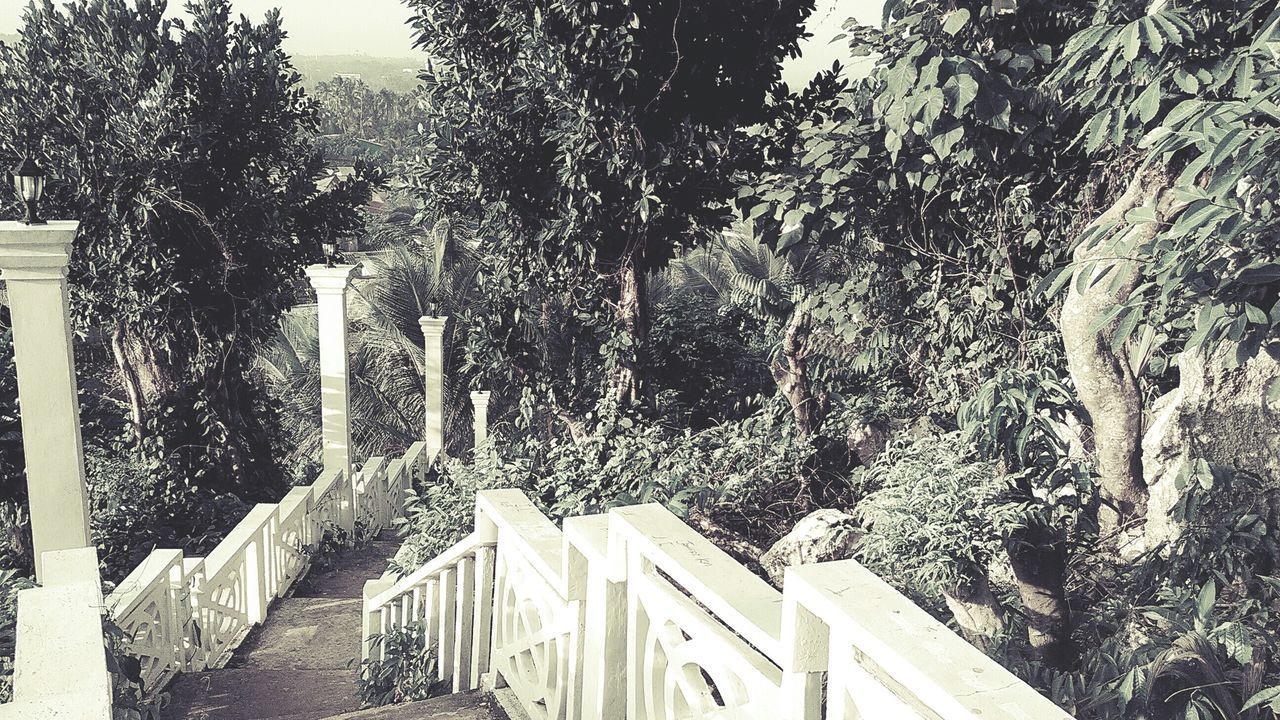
36,252
334,279
480,397
432,325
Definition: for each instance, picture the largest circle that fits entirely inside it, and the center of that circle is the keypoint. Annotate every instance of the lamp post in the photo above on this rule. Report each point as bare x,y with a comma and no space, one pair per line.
28,181
33,258
330,249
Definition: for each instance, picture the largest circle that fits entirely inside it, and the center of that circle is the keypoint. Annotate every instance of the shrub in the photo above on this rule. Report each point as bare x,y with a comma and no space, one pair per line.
405,672
928,518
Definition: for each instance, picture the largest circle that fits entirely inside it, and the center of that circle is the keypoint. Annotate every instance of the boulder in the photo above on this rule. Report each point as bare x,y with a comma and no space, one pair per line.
821,536
1217,414
867,440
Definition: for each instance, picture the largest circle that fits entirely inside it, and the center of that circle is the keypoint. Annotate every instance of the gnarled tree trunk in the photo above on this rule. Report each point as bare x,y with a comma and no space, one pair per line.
1102,280
791,373
626,382
1039,563
148,376
976,610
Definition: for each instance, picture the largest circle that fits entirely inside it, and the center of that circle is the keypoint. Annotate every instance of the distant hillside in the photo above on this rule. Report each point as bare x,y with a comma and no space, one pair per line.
377,73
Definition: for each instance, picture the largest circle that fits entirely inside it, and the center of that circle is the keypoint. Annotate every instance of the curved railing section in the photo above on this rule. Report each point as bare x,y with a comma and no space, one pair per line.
635,615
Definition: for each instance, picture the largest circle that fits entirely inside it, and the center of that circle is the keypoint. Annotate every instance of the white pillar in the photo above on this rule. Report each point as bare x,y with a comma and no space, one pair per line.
433,382
331,284
34,260
480,415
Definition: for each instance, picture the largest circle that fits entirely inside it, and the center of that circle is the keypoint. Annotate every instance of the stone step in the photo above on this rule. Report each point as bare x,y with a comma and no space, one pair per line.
352,569
262,694
463,706
305,634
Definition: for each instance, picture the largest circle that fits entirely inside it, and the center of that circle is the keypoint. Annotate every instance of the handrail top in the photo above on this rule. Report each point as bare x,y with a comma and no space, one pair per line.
154,568
533,535
735,595
910,649
589,535
448,558
373,466
239,537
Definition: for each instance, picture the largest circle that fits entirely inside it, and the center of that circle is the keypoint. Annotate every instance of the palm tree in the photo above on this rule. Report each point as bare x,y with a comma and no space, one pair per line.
777,289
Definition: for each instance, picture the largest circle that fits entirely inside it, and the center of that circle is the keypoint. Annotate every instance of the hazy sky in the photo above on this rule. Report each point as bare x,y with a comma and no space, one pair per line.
377,27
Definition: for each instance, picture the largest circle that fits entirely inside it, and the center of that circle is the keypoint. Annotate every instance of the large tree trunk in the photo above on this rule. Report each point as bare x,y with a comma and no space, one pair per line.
791,373
147,375
1039,563
976,610
626,382
1103,278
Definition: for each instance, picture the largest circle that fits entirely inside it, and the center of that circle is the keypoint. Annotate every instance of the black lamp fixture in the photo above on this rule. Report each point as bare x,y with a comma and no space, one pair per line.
330,249
28,181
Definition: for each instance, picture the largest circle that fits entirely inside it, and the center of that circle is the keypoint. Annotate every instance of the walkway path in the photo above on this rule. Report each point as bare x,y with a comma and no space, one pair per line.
302,663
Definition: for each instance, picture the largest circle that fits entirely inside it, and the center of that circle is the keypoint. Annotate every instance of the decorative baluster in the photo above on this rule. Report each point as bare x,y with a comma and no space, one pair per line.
372,624
448,607
604,624
805,647
431,614
466,587
482,628
198,632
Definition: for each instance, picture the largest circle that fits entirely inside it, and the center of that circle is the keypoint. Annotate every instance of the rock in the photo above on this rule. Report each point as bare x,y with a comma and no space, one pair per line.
1217,414
867,440
821,536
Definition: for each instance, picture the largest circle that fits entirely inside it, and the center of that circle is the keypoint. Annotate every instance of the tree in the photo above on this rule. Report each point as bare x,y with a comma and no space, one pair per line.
1182,99
186,153
777,289
606,134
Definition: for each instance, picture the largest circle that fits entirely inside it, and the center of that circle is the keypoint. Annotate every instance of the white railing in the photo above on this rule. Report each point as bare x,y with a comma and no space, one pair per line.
635,615
189,614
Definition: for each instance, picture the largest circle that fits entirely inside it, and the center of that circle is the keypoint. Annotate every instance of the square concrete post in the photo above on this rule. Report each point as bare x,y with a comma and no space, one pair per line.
34,260
480,416
433,382
331,285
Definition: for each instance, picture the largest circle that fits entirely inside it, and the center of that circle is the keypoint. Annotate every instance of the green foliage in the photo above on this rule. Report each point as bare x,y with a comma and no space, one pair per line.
1023,421
589,143
707,363
1207,117
402,670
133,512
186,154
746,472
943,183
350,107
928,515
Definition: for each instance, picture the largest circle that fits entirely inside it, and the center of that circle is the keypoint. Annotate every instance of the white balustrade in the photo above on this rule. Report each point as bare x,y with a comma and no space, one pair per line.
186,614
635,615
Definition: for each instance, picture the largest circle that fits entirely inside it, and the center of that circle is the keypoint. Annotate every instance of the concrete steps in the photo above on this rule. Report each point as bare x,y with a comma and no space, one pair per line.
302,663
464,706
